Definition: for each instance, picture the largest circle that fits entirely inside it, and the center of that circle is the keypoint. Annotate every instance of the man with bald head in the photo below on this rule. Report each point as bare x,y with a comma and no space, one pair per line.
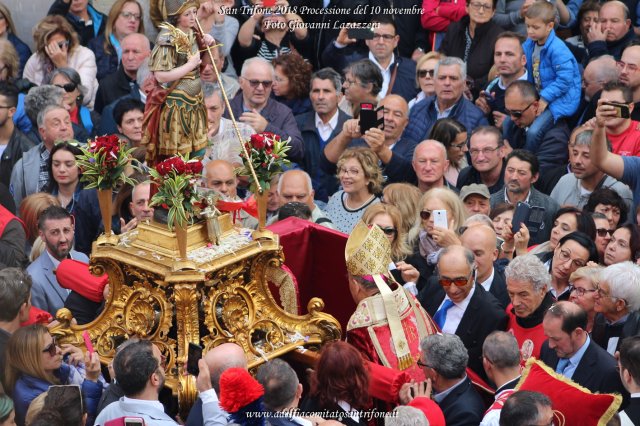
570,351
461,307
482,241
135,50
427,167
220,176
295,186
612,32
630,75
218,359
254,106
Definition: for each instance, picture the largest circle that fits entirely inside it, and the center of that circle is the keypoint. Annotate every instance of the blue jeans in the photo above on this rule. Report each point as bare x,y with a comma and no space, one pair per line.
537,130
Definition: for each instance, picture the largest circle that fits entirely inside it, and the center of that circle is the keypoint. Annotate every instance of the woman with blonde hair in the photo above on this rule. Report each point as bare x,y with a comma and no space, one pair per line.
389,219
8,32
584,282
406,198
361,181
125,17
34,362
57,46
433,238
425,76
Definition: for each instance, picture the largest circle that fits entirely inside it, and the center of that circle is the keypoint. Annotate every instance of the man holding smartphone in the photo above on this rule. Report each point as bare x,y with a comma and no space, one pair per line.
621,130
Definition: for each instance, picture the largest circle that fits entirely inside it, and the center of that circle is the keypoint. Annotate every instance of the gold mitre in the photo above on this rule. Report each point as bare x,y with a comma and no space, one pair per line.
177,7
368,251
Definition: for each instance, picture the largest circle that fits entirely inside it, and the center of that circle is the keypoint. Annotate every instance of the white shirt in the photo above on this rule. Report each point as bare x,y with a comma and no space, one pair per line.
487,283
386,73
325,129
455,313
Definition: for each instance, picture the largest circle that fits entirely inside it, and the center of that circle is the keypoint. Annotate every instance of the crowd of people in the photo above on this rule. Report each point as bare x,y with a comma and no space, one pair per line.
503,173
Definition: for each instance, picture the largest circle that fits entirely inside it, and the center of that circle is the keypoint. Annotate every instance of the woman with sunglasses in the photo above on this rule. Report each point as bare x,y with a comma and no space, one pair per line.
425,71
34,362
472,39
584,285
624,245
57,46
125,17
8,32
433,238
389,219
453,135
361,181
69,80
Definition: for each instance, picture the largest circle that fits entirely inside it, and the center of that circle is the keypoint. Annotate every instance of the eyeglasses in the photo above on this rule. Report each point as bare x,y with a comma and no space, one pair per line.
388,230
485,151
69,87
350,83
349,172
425,214
385,37
602,232
63,44
565,256
51,348
458,282
631,67
581,291
424,73
255,83
518,114
129,15
600,292
422,364
479,6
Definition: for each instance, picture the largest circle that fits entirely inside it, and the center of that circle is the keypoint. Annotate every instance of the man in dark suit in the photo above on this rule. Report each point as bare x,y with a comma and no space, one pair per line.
481,240
282,392
521,172
629,364
320,126
461,307
444,360
570,351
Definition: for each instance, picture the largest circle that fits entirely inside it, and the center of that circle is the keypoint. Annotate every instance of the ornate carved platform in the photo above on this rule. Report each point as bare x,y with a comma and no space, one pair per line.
219,294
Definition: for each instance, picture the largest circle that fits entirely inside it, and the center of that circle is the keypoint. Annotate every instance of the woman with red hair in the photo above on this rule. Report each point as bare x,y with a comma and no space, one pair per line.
339,386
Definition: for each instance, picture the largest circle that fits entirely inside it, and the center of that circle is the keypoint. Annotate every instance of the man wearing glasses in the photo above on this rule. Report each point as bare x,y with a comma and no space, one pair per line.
629,68
398,74
461,307
487,151
522,103
570,351
617,304
254,107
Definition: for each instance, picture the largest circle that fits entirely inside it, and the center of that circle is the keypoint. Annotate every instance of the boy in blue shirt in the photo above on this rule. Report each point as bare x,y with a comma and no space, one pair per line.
552,68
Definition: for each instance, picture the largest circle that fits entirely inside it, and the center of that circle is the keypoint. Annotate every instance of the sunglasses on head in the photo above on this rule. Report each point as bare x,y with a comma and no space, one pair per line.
424,73
69,87
602,232
51,348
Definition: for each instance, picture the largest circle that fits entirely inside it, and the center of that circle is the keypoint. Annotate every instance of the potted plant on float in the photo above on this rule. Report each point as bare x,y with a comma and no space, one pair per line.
175,179
103,162
263,157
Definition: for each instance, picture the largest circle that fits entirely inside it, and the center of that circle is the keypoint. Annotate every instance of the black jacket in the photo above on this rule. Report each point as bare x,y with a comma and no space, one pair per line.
602,331
463,406
552,151
113,87
325,184
480,57
598,48
596,370
107,62
483,315
18,144
470,175
633,410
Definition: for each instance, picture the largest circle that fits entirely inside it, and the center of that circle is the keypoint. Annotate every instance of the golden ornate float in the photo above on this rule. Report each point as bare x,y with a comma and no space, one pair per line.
219,294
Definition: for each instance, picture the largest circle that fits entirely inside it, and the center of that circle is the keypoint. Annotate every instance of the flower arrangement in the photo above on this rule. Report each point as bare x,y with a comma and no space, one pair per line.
268,155
103,162
176,179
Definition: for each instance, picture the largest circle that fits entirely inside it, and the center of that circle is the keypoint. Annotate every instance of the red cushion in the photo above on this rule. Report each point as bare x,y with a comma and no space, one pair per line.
74,275
37,316
576,404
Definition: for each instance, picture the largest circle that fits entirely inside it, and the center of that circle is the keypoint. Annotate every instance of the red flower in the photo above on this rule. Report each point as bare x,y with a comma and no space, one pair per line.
194,167
258,140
